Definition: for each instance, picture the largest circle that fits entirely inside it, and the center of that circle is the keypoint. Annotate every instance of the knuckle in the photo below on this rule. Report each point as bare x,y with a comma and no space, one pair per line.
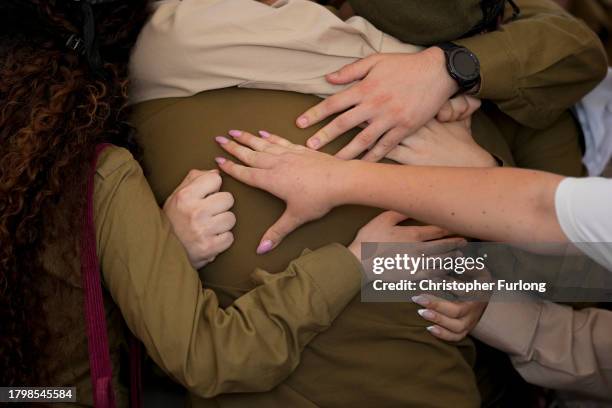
193,173
193,221
225,241
331,104
396,111
364,141
386,144
215,178
205,247
182,197
370,84
454,313
341,122
227,198
232,219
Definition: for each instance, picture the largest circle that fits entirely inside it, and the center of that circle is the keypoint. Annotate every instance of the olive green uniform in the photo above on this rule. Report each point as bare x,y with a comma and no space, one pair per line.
533,68
249,345
374,354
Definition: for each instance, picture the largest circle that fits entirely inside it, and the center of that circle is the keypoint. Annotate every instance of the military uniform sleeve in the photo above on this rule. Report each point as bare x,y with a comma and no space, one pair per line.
247,347
536,67
553,345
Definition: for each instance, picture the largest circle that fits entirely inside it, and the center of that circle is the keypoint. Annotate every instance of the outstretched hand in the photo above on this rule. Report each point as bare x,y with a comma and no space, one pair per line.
393,94
293,173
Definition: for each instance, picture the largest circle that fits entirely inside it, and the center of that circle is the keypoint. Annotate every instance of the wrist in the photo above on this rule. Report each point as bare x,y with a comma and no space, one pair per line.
439,63
344,178
355,248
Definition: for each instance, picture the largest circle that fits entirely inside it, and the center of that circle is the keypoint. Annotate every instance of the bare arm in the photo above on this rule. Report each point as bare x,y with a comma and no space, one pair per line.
493,204
490,204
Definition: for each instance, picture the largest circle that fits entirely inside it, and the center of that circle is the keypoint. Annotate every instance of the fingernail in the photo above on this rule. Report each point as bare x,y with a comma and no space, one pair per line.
264,247
235,133
220,160
314,143
433,329
420,300
221,140
302,121
264,134
426,314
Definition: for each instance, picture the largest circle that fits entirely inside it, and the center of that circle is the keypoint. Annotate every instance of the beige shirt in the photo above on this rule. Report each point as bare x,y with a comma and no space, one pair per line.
553,345
534,68
192,46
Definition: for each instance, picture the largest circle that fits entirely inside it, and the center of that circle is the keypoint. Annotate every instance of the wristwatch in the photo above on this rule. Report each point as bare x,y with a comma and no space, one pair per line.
462,65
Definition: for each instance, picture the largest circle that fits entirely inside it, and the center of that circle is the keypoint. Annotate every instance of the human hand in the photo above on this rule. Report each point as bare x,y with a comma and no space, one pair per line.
453,321
458,108
200,216
396,95
442,144
290,172
385,229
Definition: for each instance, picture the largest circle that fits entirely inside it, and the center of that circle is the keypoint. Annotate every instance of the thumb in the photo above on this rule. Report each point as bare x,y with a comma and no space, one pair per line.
286,224
391,218
352,72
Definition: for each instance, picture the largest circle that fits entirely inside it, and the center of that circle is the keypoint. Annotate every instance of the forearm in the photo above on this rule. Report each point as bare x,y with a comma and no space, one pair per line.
543,338
532,90
490,204
249,346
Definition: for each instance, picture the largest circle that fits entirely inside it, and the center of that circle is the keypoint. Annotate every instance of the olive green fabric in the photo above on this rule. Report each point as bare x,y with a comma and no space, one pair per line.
421,22
405,365
556,149
534,68
251,345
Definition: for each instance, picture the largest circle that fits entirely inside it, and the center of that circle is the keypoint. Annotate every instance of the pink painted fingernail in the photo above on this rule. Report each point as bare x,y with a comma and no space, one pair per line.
264,247
314,143
433,329
264,134
426,314
221,140
420,300
220,160
302,121
235,133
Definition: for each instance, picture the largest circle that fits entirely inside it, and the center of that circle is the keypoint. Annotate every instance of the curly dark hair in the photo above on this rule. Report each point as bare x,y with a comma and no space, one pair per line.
54,111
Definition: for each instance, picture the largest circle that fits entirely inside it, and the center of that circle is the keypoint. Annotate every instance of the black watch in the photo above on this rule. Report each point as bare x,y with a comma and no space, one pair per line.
462,65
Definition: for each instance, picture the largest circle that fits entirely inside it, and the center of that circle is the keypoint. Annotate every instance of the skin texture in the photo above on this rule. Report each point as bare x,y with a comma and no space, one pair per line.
502,206
452,321
200,216
274,159
396,95
446,140
442,144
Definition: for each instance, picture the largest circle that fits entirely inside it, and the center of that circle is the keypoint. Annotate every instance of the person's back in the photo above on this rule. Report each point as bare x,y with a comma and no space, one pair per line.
405,365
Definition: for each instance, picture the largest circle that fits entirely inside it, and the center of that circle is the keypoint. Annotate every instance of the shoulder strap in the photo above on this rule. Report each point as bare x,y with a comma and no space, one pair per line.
95,317
97,338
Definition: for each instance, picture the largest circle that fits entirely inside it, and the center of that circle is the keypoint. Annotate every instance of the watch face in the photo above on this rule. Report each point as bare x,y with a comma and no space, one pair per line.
465,64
